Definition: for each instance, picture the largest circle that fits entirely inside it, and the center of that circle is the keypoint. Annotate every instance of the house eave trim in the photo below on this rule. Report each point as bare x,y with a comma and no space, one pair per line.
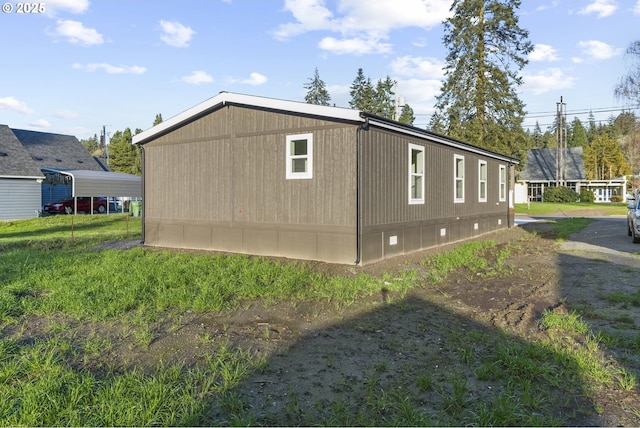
425,135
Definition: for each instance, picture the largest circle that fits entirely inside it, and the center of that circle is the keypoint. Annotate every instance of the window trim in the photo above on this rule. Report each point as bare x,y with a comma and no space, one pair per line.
457,178
482,181
502,185
411,174
290,174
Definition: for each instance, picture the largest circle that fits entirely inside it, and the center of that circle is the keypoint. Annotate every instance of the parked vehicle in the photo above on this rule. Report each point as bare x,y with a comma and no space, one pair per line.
633,219
83,205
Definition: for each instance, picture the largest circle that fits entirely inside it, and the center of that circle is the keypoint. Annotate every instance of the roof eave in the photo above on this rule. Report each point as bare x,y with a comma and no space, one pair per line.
230,98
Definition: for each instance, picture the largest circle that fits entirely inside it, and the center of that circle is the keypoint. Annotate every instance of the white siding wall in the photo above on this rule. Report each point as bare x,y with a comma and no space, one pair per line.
19,198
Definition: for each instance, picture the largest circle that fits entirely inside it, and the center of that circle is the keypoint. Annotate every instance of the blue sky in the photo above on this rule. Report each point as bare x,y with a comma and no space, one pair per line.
80,65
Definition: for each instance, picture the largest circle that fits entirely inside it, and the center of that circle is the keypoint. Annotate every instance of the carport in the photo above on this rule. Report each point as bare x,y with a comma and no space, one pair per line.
85,183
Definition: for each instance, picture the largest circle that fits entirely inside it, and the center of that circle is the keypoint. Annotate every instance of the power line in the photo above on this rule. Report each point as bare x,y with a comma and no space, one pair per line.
553,114
577,112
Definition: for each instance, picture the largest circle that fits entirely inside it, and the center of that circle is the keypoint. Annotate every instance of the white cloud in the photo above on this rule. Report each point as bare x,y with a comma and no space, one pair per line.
353,46
361,24
72,6
543,52
424,68
636,9
599,50
547,80
602,8
40,123
176,34
255,79
12,104
197,77
66,114
75,32
110,69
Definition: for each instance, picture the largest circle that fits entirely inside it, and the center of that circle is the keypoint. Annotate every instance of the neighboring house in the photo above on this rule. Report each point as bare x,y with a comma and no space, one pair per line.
57,151
40,167
20,179
541,171
263,176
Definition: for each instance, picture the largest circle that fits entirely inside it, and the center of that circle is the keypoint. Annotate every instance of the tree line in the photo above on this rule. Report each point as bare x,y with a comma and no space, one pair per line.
478,102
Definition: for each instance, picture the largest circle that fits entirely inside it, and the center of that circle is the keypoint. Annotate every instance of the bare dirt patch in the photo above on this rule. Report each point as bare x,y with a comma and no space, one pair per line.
319,355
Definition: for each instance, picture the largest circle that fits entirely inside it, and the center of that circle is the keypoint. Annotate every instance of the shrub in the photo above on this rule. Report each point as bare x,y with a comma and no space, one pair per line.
587,195
616,198
560,194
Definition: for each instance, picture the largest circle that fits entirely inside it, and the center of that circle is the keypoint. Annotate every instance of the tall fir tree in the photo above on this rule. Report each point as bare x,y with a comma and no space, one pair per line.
317,91
157,120
362,93
486,51
383,99
406,115
578,136
122,156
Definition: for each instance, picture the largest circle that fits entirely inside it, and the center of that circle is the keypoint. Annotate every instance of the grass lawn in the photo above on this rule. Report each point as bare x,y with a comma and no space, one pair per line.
79,319
560,209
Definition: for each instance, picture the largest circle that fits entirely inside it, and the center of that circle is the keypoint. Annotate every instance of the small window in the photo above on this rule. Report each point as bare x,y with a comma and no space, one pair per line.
482,181
416,174
458,166
503,183
299,156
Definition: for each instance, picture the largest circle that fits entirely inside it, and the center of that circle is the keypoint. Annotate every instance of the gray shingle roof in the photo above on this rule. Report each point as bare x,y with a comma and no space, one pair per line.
56,151
541,165
15,160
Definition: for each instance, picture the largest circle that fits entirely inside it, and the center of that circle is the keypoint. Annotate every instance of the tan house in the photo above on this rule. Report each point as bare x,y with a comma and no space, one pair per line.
263,176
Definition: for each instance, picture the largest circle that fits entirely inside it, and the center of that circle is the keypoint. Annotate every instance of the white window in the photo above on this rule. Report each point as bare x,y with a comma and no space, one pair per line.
416,174
503,183
482,181
299,156
458,167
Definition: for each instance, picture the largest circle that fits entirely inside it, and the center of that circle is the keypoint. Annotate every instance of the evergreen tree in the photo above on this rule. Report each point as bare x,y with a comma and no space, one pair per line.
92,145
629,86
317,91
121,153
592,130
406,115
362,93
383,100
536,142
578,137
549,139
487,50
157,120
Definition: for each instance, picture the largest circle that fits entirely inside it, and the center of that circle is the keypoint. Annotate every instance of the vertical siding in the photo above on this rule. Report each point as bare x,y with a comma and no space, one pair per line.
391,226
385,178
262,192
19,198
187,172
220,183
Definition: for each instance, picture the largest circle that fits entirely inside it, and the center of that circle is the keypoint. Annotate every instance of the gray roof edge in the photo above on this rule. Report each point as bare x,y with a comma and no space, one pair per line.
424,134
224,98
340,113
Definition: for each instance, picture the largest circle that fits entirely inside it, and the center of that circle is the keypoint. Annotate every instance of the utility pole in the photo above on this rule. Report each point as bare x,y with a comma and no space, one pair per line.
561,144
104,143
395,104
398,102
